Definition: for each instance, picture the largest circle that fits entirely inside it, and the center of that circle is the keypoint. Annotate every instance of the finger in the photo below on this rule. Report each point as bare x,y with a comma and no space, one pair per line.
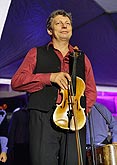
67,76
63,80
64,84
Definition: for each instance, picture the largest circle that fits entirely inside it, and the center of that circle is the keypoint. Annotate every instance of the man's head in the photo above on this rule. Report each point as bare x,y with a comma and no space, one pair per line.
59,25
56,13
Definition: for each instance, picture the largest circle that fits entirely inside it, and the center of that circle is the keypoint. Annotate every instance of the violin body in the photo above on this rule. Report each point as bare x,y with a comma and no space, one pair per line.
78,118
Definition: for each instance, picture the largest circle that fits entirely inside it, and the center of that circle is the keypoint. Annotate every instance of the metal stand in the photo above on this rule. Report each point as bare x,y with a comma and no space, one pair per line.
93,153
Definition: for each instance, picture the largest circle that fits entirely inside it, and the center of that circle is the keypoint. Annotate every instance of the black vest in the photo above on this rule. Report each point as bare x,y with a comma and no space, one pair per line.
48,62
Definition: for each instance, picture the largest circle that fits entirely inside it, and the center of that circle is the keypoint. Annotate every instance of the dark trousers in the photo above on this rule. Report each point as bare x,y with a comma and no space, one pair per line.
72,150
21,155
49,145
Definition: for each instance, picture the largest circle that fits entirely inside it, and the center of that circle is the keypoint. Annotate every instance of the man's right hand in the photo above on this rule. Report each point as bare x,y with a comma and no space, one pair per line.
61,78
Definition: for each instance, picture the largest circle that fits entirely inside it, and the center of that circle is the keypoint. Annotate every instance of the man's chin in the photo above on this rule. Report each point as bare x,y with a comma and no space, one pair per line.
64,38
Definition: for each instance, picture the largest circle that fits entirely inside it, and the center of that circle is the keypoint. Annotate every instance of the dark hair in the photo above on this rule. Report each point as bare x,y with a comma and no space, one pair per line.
56,13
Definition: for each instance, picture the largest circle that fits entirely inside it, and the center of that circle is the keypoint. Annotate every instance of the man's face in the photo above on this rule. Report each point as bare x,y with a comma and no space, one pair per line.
61,28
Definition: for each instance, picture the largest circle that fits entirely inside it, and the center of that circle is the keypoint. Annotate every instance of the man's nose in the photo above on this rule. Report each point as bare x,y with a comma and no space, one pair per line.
64,25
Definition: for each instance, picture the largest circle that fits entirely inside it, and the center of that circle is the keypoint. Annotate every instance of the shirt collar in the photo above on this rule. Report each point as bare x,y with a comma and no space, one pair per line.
69,46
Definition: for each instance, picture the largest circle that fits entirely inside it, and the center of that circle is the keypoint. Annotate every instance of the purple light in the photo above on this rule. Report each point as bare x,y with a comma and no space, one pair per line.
109,99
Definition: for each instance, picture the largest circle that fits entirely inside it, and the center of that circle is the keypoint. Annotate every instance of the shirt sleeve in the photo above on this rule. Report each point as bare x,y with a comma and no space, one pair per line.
90,90
3,141
25,80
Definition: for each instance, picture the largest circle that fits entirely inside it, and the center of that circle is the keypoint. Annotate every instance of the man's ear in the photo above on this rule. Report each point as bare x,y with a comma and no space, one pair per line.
49,32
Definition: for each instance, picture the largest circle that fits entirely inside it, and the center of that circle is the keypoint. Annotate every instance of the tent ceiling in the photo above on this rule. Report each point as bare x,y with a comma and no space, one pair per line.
108,5
94,31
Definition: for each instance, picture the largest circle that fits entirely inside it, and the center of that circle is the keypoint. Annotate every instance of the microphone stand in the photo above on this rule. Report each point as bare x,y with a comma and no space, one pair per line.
93,154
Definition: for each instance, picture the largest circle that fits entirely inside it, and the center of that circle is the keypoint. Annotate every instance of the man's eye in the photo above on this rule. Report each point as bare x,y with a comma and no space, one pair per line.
68,23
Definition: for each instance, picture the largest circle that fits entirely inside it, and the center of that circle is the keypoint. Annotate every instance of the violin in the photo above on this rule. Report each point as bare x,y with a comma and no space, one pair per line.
69,114
70,110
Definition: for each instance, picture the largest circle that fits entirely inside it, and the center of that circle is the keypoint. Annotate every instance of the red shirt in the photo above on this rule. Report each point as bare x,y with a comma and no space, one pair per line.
25,80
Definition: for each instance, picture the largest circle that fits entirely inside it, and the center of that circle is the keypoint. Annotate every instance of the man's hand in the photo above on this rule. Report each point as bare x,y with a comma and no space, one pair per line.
61,78
3,157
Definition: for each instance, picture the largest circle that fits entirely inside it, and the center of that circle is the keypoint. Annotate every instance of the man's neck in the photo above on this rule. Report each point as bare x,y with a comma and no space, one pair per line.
62,47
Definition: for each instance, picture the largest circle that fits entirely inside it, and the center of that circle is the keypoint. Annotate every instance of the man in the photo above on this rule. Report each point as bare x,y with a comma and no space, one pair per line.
101,125
101,129
3,134
44,71
18,137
